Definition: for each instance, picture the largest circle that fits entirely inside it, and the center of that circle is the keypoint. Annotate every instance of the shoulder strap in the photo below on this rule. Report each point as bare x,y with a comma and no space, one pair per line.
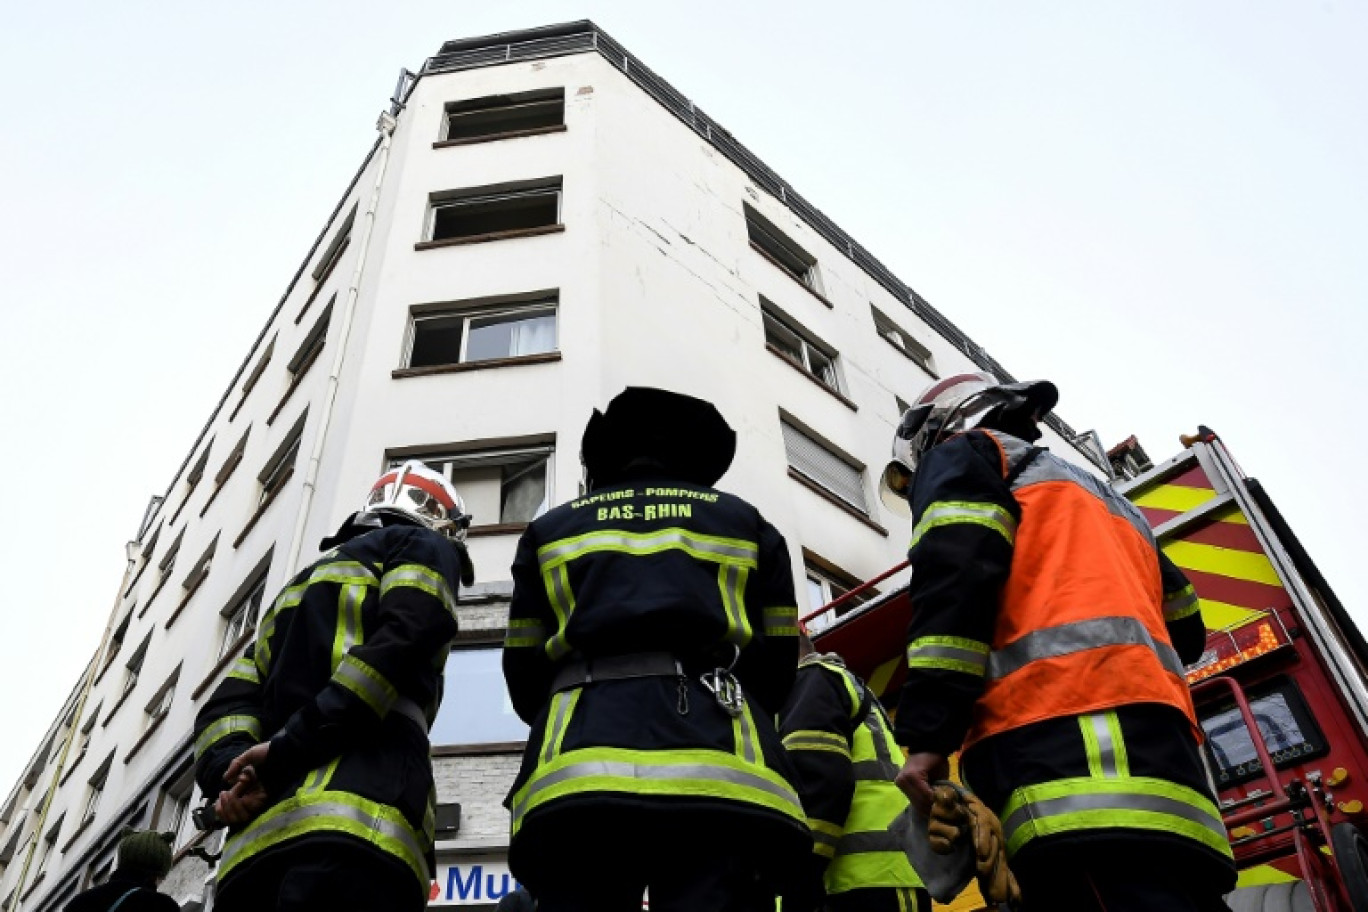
119,902
1022,465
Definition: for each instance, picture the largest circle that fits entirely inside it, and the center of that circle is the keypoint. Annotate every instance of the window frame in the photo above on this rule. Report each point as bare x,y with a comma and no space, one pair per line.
542,303
904,342
807,343
829,578
448,460
241,606
553,97
862,510
781,250
95,786
492,643
470,197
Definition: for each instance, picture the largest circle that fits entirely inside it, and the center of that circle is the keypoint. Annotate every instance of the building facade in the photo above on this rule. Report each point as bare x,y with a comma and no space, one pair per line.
542,222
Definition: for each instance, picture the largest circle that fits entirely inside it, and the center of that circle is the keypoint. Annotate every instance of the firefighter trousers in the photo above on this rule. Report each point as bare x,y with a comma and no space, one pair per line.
1142,889
321,877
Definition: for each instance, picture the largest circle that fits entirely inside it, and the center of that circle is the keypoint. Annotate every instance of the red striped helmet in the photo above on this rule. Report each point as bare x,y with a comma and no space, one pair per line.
416,492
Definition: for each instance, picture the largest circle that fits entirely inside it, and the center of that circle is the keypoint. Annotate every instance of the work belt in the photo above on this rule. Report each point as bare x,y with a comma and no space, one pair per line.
577,672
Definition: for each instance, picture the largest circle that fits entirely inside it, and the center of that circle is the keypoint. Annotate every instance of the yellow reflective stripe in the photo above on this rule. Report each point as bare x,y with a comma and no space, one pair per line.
424,579
781,621
1118,743
226,727
348,573
703,547
1130,802
368,684
816,741
955,512
692,772
318,779
329,812
1181,604
825,827
731,580
348,631
743,735
525,632
825,836
948,653
558,720
244,669
557,582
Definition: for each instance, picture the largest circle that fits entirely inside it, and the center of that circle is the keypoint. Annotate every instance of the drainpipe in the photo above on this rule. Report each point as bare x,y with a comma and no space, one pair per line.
386,126
87,684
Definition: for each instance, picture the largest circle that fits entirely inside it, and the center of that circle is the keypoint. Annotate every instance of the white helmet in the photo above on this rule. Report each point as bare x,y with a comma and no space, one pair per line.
415,492
948,407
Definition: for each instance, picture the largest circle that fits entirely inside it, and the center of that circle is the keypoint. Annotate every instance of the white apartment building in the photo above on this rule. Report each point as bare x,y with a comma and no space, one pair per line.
542,222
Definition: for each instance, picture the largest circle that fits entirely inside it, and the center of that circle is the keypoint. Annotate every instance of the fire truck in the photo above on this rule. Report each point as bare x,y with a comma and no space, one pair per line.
1281,690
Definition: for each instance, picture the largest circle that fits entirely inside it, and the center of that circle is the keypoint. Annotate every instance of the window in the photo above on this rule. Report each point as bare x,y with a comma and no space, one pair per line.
134,667
511,329
173,815
201,568
257,370
333,252
785,338
823,588
49,843
509,486
785,254
280,467
481,211
226,469
900,339
160,704
95,789
310,348
116,639
476,708
496,116
193,479
168,561
83,739
826,467
241,614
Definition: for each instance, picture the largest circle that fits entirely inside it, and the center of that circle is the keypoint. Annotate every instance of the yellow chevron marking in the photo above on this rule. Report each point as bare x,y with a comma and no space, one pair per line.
1221,615
1178,498
1233,516
1263,874
878,681
1242,565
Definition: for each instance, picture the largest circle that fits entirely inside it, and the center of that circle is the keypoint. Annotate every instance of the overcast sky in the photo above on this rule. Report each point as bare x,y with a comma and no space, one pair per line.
1163,206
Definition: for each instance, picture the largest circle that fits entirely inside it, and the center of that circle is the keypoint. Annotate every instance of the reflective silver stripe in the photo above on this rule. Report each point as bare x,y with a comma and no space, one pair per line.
342,572
1048,467
874,721
367,683
410,710
563,603
657,771
781,621
525,633
1181,604
226,726
1065,639
745,736
317,812
561,706
875,770
421,578
568,549
352,598
244,669
870,841
1106,751
1042,811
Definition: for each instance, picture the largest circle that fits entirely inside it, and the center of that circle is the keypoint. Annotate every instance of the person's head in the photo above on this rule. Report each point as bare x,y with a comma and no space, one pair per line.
647,432
145,854
957,404
413,493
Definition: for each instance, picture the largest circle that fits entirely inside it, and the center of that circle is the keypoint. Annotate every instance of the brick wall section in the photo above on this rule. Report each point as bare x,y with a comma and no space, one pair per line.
479,785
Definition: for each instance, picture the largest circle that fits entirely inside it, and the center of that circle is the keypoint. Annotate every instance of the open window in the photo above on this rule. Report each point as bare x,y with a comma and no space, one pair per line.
501,487
503,116
483,330
903,341
487,213
786,338
782,250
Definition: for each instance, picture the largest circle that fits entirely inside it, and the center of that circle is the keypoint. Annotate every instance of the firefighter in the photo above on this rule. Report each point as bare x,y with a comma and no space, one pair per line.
1048,640
652,638
842,748
314,748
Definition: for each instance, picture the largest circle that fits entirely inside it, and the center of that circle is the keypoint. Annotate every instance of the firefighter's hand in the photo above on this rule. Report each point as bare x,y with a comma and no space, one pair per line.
916,777
254,757
996,881
244,801
949,821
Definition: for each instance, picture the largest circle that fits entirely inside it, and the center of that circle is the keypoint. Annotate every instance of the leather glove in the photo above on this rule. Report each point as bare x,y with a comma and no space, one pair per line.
957,815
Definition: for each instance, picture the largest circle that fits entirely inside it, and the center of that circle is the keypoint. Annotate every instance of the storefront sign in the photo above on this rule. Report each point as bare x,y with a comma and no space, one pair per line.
472,880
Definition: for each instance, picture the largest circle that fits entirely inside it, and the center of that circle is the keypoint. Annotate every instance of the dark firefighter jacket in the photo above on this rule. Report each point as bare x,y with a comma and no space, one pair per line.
1050,630
653,567
343,678
840,742
132,894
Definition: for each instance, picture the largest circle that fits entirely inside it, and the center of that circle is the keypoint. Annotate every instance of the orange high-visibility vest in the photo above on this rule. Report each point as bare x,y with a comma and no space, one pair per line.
1080,626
